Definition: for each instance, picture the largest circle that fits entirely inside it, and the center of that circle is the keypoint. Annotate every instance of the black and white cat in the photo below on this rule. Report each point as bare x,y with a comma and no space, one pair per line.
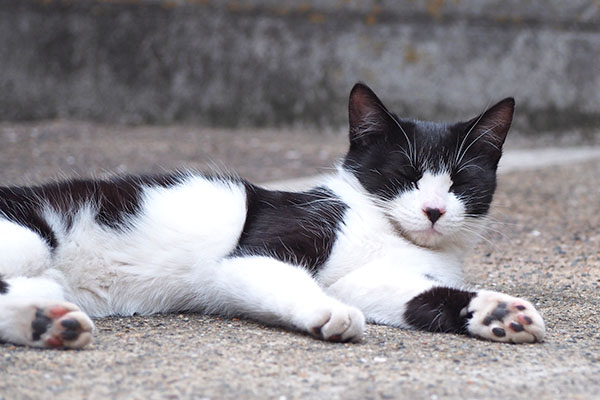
381,241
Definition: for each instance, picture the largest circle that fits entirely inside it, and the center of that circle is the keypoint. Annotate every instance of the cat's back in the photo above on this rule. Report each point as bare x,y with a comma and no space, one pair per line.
179,202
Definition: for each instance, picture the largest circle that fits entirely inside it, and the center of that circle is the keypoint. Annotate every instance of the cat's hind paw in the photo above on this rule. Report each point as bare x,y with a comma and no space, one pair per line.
46,324
61,325
340,323
503,318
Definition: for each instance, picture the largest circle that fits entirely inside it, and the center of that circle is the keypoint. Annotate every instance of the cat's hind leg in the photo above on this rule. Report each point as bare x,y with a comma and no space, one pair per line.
33,310
33,313
277,293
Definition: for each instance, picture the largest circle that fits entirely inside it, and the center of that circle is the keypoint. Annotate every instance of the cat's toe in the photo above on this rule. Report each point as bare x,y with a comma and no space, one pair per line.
339,324
503,318
61,325
74,330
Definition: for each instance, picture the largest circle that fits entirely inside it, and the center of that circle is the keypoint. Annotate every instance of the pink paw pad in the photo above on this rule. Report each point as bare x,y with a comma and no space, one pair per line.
524,319
57,311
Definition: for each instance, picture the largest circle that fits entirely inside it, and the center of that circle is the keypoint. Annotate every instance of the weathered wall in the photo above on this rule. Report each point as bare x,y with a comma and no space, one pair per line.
268,62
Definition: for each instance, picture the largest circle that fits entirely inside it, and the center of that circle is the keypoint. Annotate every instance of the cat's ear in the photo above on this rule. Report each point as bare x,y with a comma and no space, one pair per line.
492,126
369,119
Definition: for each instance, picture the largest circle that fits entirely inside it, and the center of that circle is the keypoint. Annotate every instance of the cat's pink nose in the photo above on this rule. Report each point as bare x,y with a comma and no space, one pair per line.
433,214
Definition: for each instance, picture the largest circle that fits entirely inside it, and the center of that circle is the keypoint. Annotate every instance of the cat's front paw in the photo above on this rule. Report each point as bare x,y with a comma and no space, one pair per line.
339,323
503,318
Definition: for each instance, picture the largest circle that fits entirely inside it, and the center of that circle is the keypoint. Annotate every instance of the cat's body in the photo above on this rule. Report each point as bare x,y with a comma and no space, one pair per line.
382,239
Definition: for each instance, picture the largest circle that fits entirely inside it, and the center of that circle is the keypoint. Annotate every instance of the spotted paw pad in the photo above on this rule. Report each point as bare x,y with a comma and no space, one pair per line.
503,318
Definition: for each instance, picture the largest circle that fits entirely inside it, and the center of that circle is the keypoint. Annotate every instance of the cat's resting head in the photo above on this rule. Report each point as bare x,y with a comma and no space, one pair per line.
435,181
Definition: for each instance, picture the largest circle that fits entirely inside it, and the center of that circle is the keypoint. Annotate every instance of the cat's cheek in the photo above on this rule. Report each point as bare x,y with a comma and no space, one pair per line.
406,212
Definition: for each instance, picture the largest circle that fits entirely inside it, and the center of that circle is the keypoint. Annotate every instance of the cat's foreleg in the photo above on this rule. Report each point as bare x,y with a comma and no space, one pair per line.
33,313
390,297
278,293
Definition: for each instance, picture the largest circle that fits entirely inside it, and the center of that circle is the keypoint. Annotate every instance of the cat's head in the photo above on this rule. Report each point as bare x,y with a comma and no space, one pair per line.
434,180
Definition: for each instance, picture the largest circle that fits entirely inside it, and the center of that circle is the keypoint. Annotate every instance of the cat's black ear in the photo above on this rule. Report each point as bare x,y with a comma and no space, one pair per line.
492,126
368,116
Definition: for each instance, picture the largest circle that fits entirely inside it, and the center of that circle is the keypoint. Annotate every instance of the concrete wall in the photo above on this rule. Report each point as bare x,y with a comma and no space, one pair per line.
268,62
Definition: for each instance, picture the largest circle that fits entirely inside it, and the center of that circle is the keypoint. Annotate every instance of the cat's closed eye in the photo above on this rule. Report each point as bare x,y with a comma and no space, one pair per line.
409,174
458,186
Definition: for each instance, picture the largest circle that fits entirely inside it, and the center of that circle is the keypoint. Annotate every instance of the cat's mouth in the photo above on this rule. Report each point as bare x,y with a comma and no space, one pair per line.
428,238
429,232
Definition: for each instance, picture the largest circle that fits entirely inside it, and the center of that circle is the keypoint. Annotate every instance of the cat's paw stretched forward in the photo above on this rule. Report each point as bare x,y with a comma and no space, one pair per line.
503,318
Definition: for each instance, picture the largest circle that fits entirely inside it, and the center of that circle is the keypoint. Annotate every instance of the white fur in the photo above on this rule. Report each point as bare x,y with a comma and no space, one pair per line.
23,252
180,232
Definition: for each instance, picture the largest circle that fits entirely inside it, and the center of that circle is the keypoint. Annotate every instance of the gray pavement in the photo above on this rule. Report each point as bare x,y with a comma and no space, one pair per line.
543,244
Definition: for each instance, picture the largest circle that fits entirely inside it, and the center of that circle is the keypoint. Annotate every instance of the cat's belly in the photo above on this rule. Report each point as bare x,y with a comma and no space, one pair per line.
178,237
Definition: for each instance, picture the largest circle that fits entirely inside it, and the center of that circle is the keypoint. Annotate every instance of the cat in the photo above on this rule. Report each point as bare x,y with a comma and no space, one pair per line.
381,241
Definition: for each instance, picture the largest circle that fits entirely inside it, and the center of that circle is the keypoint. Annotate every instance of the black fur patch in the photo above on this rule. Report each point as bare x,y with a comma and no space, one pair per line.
439,310
299,228
114,200
3,286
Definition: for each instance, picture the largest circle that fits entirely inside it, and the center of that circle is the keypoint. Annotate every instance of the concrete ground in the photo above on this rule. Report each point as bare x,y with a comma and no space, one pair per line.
543,244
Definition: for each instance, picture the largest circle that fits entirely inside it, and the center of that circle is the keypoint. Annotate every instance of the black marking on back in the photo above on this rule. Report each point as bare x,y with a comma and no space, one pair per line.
3,286
299,228
114,200
439,310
